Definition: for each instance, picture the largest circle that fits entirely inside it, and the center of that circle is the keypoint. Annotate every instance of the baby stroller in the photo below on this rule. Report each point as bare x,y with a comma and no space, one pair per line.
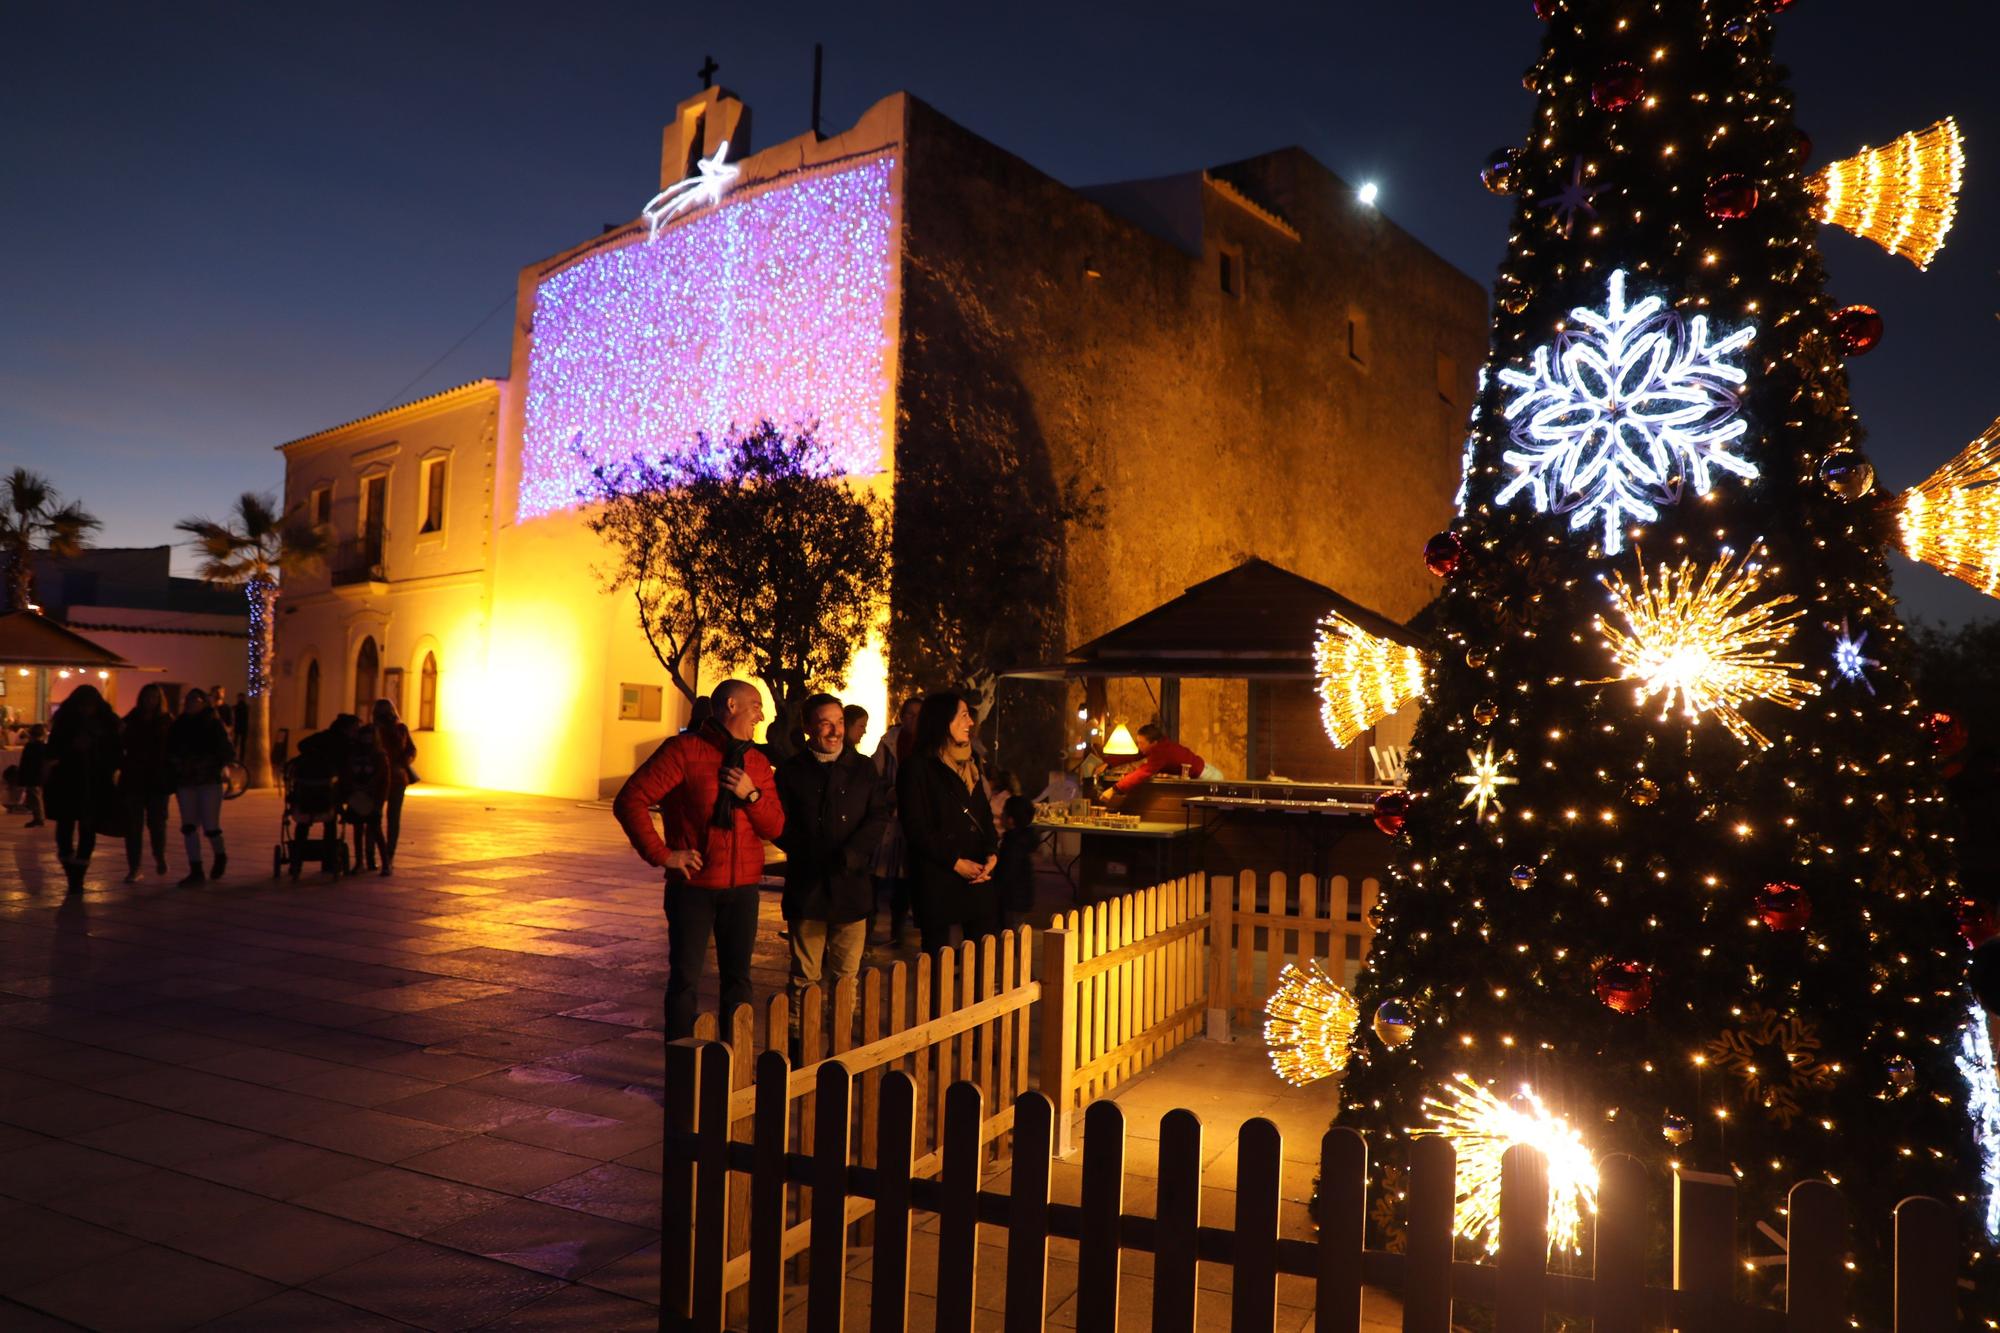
313,799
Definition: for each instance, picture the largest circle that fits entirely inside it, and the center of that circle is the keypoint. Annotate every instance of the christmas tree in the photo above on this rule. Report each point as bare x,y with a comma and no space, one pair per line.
1674,867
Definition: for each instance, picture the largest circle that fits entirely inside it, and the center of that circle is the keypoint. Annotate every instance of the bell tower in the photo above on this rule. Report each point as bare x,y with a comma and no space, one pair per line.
702,124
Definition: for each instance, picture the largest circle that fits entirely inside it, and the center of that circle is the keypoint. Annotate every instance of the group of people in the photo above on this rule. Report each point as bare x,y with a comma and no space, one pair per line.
93,773
359,772
915,822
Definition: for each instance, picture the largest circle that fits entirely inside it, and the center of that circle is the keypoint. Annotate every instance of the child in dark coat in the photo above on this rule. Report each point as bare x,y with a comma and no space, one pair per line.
34,769
1015,874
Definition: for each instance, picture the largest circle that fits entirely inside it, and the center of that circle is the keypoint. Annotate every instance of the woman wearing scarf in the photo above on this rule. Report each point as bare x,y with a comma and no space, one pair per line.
948,826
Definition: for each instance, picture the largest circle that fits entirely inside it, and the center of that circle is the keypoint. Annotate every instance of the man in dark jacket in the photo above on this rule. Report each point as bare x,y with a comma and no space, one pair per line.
718,802
836,811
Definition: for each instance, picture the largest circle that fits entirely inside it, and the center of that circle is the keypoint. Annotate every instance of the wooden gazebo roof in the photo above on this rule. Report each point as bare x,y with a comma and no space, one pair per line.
28,639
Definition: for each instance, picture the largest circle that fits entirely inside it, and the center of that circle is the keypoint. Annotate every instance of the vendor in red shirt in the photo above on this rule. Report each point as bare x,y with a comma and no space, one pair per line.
1159,754
719,804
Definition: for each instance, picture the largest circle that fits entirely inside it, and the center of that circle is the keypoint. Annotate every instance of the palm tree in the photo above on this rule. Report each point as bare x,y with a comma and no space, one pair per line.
253,550
32,517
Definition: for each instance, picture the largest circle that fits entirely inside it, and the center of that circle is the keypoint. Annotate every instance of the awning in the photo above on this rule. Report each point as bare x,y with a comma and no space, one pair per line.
31,640
1255,622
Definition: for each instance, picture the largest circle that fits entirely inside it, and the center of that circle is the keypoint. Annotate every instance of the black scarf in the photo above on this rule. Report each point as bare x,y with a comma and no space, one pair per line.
727,802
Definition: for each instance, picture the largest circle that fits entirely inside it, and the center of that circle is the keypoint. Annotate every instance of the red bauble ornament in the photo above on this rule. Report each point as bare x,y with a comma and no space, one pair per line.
1392,808
1545,9
1618,87
1976,921
1784,906
1442,553
1730,197
1779,6
1625,987
1802,144
1858,328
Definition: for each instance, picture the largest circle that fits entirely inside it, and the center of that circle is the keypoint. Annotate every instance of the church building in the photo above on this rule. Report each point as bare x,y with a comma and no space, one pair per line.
1242,361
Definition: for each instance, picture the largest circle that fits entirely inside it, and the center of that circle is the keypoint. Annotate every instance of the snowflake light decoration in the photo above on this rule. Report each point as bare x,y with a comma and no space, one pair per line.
1482,1128
1777,1059
1690,639
1850,657
1621,413
1483,783
1974,1059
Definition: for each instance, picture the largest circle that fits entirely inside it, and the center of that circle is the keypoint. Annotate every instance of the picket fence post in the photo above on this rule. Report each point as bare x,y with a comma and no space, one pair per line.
1058,1001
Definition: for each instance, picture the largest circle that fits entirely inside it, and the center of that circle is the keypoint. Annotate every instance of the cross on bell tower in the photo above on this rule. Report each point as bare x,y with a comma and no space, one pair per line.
707,71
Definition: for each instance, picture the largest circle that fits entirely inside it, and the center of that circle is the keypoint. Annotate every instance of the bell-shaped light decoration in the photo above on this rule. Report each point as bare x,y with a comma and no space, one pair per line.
1951,519
1902,196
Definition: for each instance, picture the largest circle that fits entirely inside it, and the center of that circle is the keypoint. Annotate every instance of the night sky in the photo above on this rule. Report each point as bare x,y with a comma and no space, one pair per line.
229,225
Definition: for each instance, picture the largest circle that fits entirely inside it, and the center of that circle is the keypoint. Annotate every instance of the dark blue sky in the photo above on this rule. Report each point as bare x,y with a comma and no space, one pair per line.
228,225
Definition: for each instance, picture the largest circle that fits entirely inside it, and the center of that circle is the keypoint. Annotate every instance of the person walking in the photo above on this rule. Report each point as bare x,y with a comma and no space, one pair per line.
34,771
145,779
82,780
364,789
718,801
836,812
399,754
198,748
948,826
891,869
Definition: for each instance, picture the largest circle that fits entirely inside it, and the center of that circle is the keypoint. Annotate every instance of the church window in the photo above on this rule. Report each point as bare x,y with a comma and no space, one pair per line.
427,693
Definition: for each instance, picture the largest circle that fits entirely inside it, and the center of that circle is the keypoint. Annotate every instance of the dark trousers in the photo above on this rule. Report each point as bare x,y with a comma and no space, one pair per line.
898,889
694,914
76,839
973,908
145,813
392,821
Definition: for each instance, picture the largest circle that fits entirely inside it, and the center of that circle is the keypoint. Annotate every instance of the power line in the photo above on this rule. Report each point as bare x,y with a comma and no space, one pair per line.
417,379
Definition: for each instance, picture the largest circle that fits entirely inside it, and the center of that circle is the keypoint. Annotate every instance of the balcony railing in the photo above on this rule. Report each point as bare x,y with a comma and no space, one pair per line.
358,560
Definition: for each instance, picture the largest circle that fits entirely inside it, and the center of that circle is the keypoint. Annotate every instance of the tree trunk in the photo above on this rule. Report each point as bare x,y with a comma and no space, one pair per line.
20,579
263,598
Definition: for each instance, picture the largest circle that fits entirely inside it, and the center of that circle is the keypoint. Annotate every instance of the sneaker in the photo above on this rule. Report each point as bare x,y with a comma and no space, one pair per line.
221,860
192,878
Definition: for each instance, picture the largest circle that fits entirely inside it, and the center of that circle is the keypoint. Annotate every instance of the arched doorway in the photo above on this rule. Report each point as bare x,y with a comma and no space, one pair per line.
427,693
311,718
367,676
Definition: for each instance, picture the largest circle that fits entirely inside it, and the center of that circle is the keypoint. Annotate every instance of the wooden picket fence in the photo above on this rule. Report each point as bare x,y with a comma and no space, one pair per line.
1258,929
703,1160
958,1014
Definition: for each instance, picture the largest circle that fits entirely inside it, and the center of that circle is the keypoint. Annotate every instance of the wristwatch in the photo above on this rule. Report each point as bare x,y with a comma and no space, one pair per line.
756,795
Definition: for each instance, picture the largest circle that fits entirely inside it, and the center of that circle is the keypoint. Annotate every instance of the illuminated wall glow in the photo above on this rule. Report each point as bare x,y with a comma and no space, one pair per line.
774,304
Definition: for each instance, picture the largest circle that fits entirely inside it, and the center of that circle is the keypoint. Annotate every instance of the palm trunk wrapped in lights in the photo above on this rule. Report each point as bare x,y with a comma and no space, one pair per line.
1902,196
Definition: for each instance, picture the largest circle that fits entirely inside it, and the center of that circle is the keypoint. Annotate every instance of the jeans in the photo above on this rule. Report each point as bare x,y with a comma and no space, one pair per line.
145,813
693,914
822,953
201,812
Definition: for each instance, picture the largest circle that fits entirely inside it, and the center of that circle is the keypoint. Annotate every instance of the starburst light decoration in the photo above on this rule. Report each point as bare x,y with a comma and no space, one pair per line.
712,177
1482,1128
1902,196
1363,677
1309,1025
773,305
1974,1059
1622,413
1850,657
1951,520
1572,199
1483,783
1696,639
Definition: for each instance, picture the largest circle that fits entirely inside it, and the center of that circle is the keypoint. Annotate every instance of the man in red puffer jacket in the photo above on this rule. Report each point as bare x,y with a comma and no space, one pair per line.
719,803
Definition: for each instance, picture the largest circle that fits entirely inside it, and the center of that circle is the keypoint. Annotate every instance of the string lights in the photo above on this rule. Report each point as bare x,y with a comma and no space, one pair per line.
1482,1128
1363,677
1974,1059
712,176
1690,638
1951,520
1902,196
1309,1025
773,305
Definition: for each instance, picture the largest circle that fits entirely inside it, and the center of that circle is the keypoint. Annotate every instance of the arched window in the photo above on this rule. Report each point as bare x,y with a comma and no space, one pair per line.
311,718
367,668
427,693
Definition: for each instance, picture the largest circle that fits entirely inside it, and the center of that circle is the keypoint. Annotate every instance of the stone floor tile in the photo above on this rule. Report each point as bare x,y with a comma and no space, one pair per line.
285,1243
301,1312
42,1172
18,1318
158,1206
280,1169
265,1066
577,1131
545,1238
379,1137
89,1064
582,1307
148,1288
402,1201
356,1086
168,1138
435,1066
636,1276
502,1165
435,1288
72,1111
618,1192
42,1245
13,1136
457,1108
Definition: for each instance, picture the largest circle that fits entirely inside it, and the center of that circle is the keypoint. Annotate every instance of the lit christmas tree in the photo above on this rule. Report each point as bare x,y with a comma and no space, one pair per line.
1674,856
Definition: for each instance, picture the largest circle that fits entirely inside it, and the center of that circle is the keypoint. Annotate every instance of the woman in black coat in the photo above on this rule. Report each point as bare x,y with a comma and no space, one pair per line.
199,748
948,825
82,782
145,779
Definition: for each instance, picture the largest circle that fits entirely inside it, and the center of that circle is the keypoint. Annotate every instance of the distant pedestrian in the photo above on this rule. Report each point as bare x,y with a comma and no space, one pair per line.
718,801
146,779
198,748
364,788
836,811
1014,875
948,824
82,778
399,754
239,724
854,719
218,699
891,869
34,772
